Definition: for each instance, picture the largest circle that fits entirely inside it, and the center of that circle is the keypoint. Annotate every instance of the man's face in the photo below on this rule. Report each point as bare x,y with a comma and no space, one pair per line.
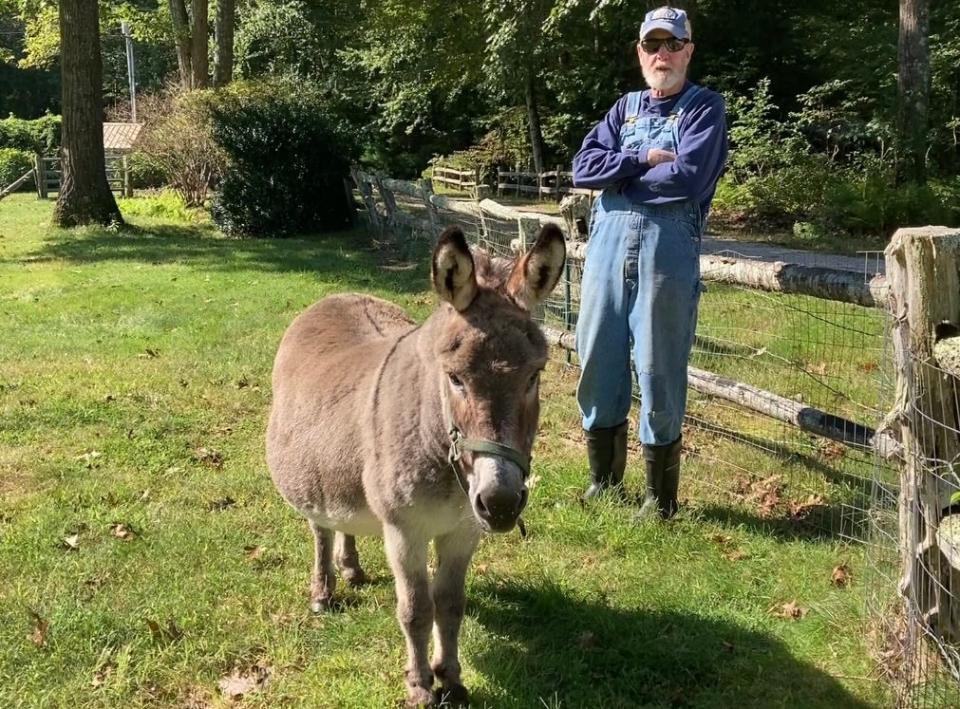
664,70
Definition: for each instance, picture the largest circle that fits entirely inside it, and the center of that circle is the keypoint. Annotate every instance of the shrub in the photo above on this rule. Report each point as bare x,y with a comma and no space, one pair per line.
39,135
177,145
287,158
13,163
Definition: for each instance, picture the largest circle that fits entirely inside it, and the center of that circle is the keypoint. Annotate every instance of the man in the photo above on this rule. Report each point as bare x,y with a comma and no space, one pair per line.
657,156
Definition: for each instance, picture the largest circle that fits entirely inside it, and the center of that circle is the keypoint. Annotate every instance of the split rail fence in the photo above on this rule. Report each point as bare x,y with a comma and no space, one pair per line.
846,381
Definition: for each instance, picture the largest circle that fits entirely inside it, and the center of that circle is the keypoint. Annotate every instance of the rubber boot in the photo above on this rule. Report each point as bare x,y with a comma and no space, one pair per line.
662,464
607,455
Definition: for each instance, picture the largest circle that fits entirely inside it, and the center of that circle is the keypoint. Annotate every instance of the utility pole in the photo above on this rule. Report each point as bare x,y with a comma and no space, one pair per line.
131,70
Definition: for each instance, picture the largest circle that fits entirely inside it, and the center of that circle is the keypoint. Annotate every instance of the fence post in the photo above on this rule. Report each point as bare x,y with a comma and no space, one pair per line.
127,183
923,269
516,176
389,202
426,190
366,194
41,176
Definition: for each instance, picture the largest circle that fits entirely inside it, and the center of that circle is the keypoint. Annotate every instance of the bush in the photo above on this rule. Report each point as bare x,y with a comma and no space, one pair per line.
13,163
287,158
177,145
40,135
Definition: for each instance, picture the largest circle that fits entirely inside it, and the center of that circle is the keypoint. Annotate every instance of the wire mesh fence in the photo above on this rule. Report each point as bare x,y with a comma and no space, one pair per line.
787,427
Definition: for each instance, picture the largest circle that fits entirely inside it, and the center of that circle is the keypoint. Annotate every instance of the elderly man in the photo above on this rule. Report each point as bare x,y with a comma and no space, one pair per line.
657,156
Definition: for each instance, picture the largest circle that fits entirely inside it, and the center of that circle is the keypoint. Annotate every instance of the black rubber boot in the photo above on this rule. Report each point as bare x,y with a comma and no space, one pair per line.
662,465
607,455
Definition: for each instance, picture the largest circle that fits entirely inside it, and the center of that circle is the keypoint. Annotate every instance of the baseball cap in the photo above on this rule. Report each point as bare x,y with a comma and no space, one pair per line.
671,19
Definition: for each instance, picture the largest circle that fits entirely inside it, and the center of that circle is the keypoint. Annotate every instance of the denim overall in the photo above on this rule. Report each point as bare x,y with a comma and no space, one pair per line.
640,289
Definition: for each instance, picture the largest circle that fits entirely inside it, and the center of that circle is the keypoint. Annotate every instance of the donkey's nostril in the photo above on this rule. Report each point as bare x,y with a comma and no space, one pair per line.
524,494
481,508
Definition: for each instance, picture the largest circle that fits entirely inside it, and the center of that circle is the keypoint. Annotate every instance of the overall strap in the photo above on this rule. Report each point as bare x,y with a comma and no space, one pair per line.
633,105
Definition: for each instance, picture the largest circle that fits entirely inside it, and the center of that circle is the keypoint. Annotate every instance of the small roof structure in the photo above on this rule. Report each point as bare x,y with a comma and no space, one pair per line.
120,137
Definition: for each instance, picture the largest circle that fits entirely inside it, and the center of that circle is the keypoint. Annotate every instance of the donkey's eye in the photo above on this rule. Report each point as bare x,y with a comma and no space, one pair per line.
534,380
455,380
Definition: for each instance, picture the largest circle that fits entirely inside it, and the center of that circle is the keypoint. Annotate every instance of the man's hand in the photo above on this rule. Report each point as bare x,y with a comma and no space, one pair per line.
655,156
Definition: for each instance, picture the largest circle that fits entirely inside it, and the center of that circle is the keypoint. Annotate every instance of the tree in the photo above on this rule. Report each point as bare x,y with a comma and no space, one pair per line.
198,53
913,89
223,72
181,38
85,196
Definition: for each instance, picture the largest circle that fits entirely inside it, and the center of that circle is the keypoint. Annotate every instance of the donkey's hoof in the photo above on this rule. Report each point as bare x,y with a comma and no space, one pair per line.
321,605
420,697
452,695
353,577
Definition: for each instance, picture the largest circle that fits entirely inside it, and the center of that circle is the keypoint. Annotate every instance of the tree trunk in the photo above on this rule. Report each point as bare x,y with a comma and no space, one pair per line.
913,89
199,49
223,73
181,35
533,122
85,196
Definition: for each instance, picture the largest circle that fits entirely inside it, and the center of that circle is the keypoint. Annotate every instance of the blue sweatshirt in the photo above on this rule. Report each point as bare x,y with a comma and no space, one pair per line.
700,161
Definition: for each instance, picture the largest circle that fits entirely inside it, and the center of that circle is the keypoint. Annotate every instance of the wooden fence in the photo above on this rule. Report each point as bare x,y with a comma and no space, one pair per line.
552,184
47,174
461,180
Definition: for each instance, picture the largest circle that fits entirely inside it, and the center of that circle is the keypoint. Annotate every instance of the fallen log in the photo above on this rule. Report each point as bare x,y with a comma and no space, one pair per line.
806,418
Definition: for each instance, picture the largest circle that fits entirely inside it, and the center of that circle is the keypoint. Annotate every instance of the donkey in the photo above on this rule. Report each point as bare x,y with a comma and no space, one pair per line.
416,433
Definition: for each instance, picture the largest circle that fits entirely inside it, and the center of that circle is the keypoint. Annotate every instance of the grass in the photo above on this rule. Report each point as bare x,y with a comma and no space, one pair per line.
134,383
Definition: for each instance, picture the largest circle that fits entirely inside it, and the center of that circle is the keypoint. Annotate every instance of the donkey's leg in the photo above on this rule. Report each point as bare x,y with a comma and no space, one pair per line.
348,561
454,551
408,561
323,581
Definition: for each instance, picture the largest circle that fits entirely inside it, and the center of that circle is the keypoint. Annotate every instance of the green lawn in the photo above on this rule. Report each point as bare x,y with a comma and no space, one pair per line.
145,556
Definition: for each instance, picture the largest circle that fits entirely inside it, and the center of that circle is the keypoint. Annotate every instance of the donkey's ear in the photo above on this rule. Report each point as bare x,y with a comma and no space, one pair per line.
452,270
537,272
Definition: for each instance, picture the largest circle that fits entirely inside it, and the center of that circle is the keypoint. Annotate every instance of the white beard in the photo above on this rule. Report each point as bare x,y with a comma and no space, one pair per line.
663,80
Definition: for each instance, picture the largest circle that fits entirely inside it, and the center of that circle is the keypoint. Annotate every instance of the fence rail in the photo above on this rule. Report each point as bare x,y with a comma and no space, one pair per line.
48,174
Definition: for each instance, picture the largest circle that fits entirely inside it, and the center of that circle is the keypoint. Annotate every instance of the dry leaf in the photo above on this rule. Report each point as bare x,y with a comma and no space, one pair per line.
736,555
221,504
208,456
40,628
481,569
800,510
122,531
765,494
72,542
791,611
253,552
101,675
587,639
241,683
161,634
841,575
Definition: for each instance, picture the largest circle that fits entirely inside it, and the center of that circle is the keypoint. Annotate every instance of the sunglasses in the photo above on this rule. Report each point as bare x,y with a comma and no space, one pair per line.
652,46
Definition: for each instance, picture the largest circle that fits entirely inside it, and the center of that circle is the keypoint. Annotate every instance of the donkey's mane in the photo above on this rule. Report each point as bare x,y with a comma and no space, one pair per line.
492,271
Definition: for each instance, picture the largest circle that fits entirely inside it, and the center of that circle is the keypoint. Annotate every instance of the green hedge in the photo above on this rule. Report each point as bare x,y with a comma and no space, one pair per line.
39,135
13,163
287,156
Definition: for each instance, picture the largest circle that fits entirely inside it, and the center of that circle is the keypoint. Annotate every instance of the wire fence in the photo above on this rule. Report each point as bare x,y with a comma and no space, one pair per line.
787,426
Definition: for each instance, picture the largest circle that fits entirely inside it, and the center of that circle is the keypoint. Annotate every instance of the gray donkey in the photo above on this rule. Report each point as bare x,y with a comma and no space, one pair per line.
382,427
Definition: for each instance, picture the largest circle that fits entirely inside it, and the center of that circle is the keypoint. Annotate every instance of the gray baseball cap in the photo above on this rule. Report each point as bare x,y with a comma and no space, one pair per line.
671,19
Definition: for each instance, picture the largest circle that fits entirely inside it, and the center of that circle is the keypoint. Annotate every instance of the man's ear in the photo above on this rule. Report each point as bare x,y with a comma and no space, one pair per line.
452,270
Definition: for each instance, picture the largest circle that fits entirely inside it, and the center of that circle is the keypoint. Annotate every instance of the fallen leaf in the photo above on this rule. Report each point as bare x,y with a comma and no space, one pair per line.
587,639
736,555
72,542
122,531
791,611
208,456
101,675
161,634
253,552
765,494
841,575
40,628
481,569
801,510
819,369
241,683
831,450
221,504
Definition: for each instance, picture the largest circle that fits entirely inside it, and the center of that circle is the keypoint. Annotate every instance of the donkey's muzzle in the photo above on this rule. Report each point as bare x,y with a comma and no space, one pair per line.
500,507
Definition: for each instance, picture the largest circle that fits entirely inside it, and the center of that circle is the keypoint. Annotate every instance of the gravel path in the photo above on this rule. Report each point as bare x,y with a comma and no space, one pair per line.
869,262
